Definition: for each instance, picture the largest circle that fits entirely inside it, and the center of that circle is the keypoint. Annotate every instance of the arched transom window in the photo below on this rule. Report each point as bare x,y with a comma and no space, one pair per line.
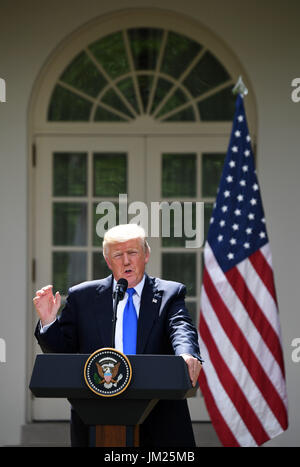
143,71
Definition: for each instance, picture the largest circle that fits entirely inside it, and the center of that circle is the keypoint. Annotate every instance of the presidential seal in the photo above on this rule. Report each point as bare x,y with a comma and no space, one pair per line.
107,372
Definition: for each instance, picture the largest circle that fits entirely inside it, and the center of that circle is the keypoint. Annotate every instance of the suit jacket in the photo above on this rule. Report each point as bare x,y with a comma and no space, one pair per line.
164,327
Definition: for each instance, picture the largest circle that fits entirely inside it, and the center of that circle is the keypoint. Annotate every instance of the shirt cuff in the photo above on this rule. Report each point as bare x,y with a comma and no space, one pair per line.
198,357
43,329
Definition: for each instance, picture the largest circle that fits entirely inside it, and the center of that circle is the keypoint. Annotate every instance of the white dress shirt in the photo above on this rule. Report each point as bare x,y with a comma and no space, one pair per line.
120,311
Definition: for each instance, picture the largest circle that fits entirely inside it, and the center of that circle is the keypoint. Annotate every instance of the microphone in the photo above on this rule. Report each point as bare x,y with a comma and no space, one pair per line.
118,295
120,289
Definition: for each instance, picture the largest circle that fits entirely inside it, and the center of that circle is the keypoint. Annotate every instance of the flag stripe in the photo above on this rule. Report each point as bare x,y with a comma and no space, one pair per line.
222,429
246,353
223,405
259,291
258,318
239,370
264,271
266,252
233,389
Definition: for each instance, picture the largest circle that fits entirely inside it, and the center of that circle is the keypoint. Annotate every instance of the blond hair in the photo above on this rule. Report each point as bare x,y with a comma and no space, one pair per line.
123,233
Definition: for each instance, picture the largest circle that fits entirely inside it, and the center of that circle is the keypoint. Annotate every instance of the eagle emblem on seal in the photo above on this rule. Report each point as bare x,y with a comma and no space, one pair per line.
108,373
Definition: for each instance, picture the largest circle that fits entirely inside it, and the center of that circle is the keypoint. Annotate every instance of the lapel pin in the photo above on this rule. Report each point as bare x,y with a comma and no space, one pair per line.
154,300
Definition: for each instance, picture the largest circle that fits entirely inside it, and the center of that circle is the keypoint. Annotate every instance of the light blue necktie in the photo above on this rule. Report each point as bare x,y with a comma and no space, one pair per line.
129,325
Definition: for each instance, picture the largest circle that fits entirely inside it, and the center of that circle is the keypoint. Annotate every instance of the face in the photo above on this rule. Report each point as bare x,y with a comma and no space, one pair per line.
128,260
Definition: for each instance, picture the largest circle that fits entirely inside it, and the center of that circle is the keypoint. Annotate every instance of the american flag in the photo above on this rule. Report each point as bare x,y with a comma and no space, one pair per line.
243,377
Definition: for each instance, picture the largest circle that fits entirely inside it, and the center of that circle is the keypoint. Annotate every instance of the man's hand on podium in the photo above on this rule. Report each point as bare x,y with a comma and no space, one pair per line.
46,304
194,367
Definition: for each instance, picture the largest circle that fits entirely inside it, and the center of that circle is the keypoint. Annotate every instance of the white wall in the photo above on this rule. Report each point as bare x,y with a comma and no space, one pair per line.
264,35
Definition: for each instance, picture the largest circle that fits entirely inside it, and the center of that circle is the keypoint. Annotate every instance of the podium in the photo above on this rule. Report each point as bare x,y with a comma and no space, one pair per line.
116,419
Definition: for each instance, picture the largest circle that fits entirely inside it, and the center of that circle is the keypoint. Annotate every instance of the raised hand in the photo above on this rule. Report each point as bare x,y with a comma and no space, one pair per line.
46,304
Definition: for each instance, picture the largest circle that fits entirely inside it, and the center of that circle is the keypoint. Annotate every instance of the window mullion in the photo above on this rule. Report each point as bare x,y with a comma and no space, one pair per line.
134,77
77,91
215,90
156,75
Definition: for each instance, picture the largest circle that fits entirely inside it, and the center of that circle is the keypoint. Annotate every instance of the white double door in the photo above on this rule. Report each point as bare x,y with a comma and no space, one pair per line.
72,176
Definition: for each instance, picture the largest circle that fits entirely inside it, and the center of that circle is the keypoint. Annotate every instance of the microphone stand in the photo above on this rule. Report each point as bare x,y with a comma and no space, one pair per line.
117,296
114,319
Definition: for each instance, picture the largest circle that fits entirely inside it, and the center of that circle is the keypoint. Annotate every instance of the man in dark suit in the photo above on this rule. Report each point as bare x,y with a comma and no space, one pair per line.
163,326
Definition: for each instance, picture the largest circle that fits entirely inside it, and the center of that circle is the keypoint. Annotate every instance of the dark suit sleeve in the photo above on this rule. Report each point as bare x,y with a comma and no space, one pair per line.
182,333
61,337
